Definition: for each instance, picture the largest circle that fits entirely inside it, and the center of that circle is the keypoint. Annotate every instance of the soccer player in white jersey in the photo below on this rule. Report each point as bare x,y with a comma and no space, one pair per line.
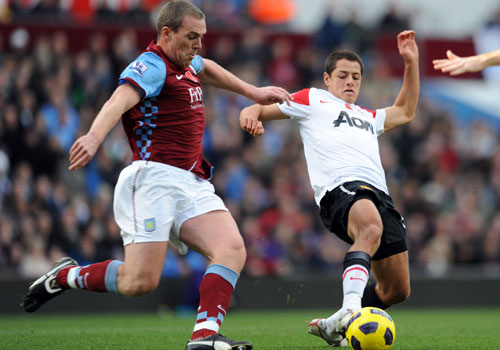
343,160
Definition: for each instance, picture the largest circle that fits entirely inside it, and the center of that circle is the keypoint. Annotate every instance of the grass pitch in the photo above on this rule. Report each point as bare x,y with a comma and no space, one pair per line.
444,329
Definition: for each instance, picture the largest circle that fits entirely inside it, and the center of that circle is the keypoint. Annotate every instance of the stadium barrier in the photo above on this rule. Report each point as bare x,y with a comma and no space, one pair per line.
258,293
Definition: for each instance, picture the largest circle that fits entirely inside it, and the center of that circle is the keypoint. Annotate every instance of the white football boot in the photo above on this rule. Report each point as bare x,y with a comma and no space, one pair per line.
319,327
338,321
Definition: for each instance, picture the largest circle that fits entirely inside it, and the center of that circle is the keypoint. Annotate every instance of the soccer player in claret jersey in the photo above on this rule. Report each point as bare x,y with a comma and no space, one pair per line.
343,160
165,194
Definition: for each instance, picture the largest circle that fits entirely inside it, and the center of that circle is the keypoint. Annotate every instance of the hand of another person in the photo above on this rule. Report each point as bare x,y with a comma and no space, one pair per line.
272,94
82,151
407,46
456,65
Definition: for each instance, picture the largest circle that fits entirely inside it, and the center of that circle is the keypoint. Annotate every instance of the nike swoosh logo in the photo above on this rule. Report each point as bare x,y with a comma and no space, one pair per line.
220,307
321,101
85,279
179,77
355,278
49,288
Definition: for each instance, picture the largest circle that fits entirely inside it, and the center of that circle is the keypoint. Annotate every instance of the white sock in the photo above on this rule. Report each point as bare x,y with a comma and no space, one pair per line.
354,281
71,277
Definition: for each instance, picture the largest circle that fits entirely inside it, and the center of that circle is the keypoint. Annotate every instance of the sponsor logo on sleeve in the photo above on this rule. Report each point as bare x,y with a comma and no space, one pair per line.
139,67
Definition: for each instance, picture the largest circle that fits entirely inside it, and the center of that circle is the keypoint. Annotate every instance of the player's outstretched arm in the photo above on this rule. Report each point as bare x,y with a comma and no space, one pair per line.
456,65
82,151
405,106
251,117
215,75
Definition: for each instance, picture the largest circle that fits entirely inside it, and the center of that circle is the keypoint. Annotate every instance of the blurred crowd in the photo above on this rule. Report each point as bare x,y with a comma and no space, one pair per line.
220,13
64,11
443,176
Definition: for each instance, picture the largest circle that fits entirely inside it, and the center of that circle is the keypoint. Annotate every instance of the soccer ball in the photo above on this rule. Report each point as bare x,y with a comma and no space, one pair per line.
371,328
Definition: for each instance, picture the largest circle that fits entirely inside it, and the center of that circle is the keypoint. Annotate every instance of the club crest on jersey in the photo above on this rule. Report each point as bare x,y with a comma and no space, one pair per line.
353,122
190,76
139,67
150,225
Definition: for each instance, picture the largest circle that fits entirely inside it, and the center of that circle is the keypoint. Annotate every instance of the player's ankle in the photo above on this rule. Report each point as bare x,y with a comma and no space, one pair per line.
202,333
62,276
352,301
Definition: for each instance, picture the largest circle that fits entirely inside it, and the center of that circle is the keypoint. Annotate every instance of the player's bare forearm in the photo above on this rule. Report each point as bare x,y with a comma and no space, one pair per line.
215,75
404,108
85,147
408,96
492,58
107,118
251,117
249,120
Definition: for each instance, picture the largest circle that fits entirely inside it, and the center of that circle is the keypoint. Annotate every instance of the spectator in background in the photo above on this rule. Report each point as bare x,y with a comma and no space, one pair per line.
330,35
393,21
13,134
225,13
60,116
253,46
49,10
161,104
4,176
281,69
356,37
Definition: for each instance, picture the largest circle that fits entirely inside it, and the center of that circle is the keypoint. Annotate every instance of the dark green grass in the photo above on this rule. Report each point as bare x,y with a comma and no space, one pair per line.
446,329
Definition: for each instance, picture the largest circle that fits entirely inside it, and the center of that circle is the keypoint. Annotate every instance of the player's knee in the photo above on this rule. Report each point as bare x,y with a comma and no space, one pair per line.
404,294
236,252
239,251
371,233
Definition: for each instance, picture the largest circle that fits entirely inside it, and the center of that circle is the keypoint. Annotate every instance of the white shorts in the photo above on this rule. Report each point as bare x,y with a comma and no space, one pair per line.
152,200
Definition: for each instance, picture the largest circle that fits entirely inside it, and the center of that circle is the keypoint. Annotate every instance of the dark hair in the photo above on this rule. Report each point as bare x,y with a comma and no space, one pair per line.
172,14
331,60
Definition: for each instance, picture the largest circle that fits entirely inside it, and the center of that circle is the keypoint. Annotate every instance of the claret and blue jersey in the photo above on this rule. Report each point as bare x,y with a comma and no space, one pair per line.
167,125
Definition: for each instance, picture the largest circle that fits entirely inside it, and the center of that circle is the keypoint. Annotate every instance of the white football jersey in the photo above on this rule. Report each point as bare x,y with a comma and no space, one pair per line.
340,140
